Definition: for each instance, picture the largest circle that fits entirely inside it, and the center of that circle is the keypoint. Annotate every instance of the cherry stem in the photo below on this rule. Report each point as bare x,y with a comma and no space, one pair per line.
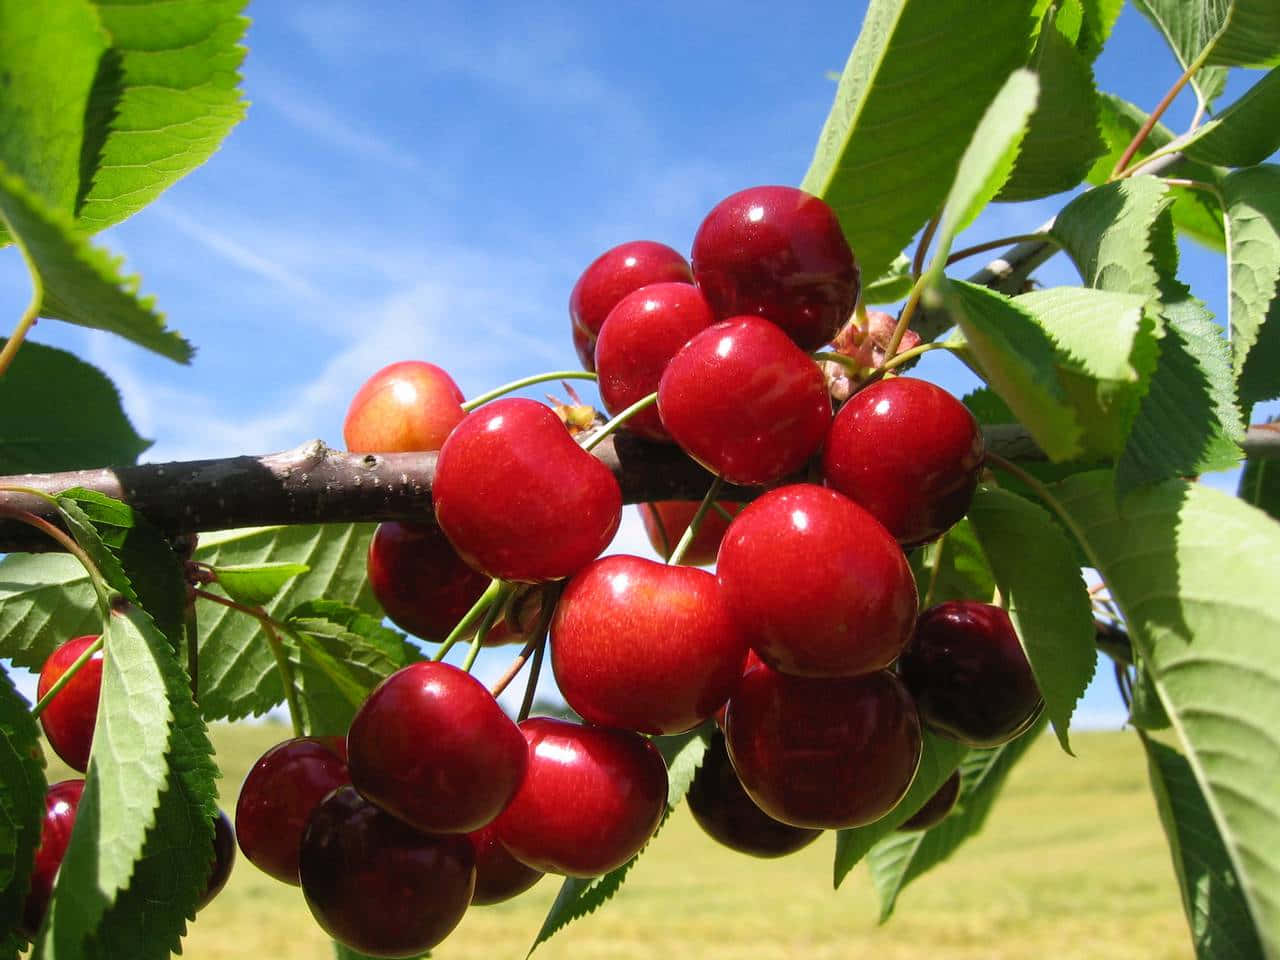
977,248
830,356
471,617
550,594
1121,169
692,530
1194,185
926,238
486,624
722,511
611,425
938,546
68,675
531,685
25,322
514,385
904,319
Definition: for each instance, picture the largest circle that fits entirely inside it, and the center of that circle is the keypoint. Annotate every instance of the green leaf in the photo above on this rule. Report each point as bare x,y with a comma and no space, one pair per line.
1099,17
45,598
892,285
255,583
1047,598
1243,134
953,568
1187,27
890,146
937,762
1216,912
1249,35
238,675
1146,712
1253,229
1016,357
1260,485
21,800
1192,571
899,858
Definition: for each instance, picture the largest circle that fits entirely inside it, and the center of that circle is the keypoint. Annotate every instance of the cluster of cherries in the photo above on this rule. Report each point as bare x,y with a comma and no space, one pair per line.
805,644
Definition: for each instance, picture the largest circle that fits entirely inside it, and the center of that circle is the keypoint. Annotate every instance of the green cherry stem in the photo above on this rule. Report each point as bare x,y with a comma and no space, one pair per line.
26,321
531,685
70,673
904,318
471,617
824,356
506,388
612,425
486,624
722,511
692,531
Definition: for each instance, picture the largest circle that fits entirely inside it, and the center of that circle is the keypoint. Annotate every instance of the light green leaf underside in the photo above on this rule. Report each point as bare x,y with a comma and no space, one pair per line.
44,599
1245,133
1253,211
1107,234
256,583
22,788
1249,35
1193,572
889,148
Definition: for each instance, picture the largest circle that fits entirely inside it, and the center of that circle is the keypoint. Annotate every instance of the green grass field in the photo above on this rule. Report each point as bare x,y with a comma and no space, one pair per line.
1073,864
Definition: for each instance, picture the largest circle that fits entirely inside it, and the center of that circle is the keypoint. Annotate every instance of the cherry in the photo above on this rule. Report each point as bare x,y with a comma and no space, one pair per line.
825,753
593,796
745,402
609,278
665,521
407,406
639,338
937,807
643,646
970,675
816,584
376,884
68,719
722,808
909,452
224,856
419,579
517,496
431,746
61,801
279,793
777,252
499,875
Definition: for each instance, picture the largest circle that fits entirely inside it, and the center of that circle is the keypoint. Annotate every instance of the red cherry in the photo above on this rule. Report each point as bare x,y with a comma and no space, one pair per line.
970,675
722,808
638,339
517,496
908,452
745,402
816,584
592,797
665,521
499,875
419,579
69,718
813,752
407,406
224,857
778,252
753,660
376,884
643,646
279,793
61,801
431,746
936,808
609,278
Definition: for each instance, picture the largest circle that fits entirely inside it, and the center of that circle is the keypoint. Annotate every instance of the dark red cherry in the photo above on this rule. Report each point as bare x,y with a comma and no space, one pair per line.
722,808
779,253
431,746
823,753
593,796
908,452
419,579
379,886
816,584
69,718
745,402
499,875
279,793
937,807
517,496
224,857
969,674
407,406
665,522
643,646
61,802
638,339
609,278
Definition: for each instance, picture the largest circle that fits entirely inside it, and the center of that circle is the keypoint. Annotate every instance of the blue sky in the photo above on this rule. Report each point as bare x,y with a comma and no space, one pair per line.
427,181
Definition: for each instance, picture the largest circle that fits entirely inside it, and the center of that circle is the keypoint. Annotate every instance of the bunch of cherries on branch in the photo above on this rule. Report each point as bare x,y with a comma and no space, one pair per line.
806,645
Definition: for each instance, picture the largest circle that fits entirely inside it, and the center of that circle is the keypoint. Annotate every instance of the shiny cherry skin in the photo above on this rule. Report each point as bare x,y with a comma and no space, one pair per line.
644,646
419,579
937,807
969,674
499,875
518,497
823,753
639,338
724,811
779,253
665,522
817,585
279,793
610,277
908,452
61,802
224,857
745,402
593,796
431,746
407,406
69,718
379,886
